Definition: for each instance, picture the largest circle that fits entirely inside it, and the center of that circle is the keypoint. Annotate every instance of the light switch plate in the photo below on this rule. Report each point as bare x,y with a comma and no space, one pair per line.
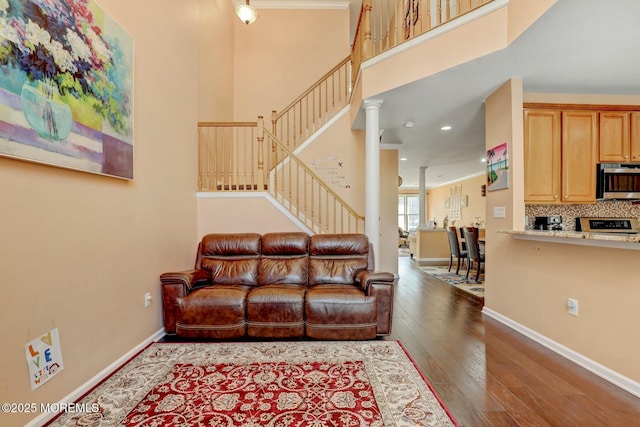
499,212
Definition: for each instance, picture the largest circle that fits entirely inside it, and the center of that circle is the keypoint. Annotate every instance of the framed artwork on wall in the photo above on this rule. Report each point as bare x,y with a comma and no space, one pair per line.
66,86
498,167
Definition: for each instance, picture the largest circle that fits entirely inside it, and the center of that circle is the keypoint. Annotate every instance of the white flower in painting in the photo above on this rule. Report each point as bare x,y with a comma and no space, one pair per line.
4,5
79,48
61,57
101,49
8,32
37,35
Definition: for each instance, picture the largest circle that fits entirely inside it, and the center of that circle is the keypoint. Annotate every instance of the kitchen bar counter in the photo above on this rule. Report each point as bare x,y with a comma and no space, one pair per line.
607,240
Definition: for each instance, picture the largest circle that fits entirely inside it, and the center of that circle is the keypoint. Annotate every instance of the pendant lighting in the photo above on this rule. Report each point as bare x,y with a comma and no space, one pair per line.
247,13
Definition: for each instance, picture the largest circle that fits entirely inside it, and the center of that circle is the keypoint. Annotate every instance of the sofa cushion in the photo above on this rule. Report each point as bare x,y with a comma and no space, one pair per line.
340,312
276,311
216,311
232,259
285,259
337,258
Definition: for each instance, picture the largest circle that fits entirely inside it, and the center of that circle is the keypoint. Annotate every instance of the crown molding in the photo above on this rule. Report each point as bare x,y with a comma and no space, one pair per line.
295,4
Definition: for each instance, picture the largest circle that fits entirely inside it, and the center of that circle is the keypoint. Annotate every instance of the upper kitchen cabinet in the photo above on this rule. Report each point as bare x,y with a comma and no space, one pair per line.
579,156
619,137
634,149
560,155
542,156
614,136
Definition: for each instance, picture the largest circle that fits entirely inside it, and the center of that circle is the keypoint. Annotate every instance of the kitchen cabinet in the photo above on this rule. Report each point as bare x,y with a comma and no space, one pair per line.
560,153
634,149
542,155
579,156
615,136
619,137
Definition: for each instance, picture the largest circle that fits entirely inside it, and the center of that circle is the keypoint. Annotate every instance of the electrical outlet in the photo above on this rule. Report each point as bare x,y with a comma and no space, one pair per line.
572,305
147,299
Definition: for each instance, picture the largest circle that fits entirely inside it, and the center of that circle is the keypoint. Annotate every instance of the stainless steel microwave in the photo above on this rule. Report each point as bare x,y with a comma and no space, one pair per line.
618,181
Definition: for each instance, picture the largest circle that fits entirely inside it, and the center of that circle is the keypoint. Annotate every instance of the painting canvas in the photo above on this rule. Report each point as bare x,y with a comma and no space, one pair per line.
66,86
498,167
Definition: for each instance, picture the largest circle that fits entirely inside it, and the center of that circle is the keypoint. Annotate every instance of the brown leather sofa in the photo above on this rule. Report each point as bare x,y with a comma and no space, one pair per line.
279,285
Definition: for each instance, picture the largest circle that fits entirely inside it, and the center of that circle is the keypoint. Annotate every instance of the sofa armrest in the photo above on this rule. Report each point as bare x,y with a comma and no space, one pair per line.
177,285
379,284
365,278
190,278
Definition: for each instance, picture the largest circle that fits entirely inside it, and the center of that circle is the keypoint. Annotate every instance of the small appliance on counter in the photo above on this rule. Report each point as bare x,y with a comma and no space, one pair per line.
607,225
552,222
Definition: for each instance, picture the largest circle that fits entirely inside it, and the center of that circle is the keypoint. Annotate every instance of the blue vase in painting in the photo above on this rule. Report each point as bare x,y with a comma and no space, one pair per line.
49,117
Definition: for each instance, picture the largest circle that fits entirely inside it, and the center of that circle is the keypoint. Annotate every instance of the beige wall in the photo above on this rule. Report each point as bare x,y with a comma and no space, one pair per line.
476,207
215,73
78,250
283,53
529,282
238,215
336,156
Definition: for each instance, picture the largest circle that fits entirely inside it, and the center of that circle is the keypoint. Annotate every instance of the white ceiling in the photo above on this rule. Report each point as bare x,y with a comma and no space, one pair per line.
578,46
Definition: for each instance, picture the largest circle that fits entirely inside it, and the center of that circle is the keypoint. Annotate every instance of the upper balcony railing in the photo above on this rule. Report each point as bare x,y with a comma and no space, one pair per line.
385,24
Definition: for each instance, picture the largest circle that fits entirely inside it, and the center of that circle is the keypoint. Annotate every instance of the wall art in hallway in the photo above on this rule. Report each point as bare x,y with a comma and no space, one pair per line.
66,86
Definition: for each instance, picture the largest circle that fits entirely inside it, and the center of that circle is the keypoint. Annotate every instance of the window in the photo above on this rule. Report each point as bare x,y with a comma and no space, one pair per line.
408,212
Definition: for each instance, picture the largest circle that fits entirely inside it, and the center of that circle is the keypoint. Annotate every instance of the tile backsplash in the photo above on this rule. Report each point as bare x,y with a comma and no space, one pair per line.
614,209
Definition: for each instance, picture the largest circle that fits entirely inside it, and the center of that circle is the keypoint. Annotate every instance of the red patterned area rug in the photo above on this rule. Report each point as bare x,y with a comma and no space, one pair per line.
278,384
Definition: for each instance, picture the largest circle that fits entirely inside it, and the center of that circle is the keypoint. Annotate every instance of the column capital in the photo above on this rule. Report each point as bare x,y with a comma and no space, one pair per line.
372,104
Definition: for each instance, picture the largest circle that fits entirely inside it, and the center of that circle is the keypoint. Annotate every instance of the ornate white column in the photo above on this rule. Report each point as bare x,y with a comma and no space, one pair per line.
372,174
422,199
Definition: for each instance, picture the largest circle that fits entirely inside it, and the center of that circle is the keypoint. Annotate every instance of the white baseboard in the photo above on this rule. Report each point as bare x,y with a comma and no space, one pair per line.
44,417
619,380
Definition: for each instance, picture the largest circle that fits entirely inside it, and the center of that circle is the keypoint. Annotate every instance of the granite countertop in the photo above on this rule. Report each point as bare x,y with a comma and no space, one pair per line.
559,235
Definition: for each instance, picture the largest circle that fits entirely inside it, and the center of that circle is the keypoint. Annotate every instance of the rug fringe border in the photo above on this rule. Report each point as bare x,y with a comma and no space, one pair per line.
47,417
428,383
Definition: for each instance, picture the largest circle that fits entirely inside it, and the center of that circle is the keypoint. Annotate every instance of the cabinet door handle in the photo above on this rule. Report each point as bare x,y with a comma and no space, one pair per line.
555,196
626,157
566,197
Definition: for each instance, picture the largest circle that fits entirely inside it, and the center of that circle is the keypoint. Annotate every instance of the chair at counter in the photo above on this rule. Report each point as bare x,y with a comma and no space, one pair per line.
473,249
454,248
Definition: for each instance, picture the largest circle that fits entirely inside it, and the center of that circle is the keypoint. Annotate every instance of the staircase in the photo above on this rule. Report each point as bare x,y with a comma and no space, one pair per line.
246,156
261,157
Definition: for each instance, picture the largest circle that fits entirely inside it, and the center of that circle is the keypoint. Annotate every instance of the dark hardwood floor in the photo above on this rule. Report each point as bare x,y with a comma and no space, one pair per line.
489,375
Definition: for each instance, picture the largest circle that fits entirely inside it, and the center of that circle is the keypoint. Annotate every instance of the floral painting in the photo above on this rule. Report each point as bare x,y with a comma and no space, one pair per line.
66,86
498,167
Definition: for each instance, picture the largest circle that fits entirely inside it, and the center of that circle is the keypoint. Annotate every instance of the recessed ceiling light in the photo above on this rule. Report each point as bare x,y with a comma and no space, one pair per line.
445,127
403,158
409,124
483,160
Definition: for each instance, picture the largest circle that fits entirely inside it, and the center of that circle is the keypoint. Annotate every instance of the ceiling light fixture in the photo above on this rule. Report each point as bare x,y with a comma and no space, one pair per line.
409,124
403,159
446,127
247,13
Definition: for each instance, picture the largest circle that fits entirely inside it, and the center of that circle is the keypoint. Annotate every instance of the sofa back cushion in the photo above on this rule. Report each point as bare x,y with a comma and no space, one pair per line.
336,258
285,259
232,259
